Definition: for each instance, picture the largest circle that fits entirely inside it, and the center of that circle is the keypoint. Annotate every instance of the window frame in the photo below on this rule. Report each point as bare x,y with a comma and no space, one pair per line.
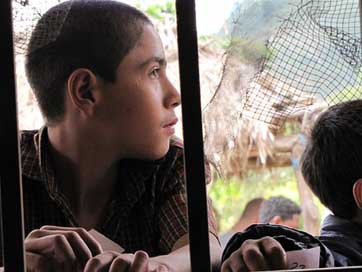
10,176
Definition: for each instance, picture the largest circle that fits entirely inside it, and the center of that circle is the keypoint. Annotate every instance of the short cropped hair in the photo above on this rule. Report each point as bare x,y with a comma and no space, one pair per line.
332,160
95,34
278,206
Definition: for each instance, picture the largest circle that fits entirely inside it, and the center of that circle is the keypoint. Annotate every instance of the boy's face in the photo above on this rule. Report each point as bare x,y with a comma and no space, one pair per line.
137,111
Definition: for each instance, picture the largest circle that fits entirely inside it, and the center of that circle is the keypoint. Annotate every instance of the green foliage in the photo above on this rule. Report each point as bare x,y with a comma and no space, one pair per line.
290,128
246,50
158,11
230,196
347,94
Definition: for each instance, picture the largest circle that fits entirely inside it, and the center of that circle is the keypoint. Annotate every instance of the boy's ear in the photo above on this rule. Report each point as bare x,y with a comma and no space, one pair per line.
357,193
276,220
81,85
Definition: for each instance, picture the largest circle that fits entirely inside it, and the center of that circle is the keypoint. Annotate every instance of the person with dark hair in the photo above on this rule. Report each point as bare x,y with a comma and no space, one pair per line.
281,211
106,158
331,166
249,216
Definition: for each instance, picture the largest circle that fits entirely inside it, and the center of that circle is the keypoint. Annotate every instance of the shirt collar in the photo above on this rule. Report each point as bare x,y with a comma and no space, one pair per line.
32,149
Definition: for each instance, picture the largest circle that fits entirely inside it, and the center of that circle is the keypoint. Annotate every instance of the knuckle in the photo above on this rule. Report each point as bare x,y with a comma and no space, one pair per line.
44,227
275,251
268,239
94,262
253,253
34,233
236,260
59,239
225,266
72,235
81,231
119,260
247,244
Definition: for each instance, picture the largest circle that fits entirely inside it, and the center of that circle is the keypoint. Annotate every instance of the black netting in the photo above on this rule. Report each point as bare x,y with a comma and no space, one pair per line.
26,14
316,52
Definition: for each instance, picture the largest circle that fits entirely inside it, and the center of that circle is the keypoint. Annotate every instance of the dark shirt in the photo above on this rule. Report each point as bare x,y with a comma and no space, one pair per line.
148,211
344,240
290,239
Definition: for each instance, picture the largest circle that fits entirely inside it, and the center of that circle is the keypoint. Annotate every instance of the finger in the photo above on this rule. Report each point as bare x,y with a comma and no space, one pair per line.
226,267
79,247
140,262
252,256
121,264
101,262
94,246
56,247
235,262
274,253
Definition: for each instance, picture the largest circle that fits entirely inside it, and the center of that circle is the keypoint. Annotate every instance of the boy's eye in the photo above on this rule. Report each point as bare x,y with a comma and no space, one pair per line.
155,72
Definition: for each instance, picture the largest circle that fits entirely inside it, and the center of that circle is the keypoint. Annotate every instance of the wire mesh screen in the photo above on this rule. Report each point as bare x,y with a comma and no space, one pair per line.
316,52
26,14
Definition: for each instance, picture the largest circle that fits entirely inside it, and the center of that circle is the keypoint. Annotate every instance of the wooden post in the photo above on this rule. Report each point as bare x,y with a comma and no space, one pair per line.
10,175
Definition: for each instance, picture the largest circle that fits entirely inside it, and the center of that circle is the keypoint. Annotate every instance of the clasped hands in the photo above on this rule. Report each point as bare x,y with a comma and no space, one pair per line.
53,248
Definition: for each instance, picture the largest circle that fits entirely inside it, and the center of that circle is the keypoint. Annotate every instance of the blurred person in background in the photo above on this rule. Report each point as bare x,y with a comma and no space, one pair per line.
281,211
250,216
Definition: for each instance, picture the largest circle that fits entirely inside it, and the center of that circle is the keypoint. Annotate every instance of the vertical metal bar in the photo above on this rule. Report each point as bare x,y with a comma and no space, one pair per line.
10,175
193,139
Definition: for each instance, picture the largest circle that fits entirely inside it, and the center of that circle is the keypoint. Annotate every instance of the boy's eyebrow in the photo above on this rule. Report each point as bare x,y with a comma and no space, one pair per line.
159,60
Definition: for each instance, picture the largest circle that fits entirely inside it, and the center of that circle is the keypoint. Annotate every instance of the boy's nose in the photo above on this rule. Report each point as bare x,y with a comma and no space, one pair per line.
173,96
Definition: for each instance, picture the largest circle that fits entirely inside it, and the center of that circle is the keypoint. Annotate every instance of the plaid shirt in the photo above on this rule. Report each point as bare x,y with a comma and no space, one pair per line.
148,213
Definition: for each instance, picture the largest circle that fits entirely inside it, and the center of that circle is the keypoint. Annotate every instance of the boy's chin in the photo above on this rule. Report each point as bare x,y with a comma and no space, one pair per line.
159,152
152,152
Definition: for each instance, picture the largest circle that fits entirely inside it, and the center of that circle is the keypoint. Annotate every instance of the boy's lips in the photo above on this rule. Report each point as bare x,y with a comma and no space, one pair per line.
169,126
171,123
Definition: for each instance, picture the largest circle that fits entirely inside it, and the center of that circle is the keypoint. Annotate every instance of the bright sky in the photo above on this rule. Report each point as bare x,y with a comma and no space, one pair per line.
210,14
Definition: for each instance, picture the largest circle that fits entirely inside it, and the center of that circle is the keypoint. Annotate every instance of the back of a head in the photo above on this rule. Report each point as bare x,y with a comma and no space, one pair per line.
278,206
91,34
332,160
252,208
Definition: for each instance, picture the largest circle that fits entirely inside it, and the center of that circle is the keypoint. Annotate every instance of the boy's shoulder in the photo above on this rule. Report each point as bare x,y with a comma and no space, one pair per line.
335,232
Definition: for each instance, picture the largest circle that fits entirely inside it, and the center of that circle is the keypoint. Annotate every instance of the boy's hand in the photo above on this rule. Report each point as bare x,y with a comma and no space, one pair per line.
112,261
255,255
53,248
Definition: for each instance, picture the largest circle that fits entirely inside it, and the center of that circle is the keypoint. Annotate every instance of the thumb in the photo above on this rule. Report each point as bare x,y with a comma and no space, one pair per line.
140,262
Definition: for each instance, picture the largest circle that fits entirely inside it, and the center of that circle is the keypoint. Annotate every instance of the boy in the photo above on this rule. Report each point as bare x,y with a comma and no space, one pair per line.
331,165
105,159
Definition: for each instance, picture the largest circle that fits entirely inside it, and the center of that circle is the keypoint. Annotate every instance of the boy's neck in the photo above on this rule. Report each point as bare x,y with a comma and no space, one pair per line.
85,174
